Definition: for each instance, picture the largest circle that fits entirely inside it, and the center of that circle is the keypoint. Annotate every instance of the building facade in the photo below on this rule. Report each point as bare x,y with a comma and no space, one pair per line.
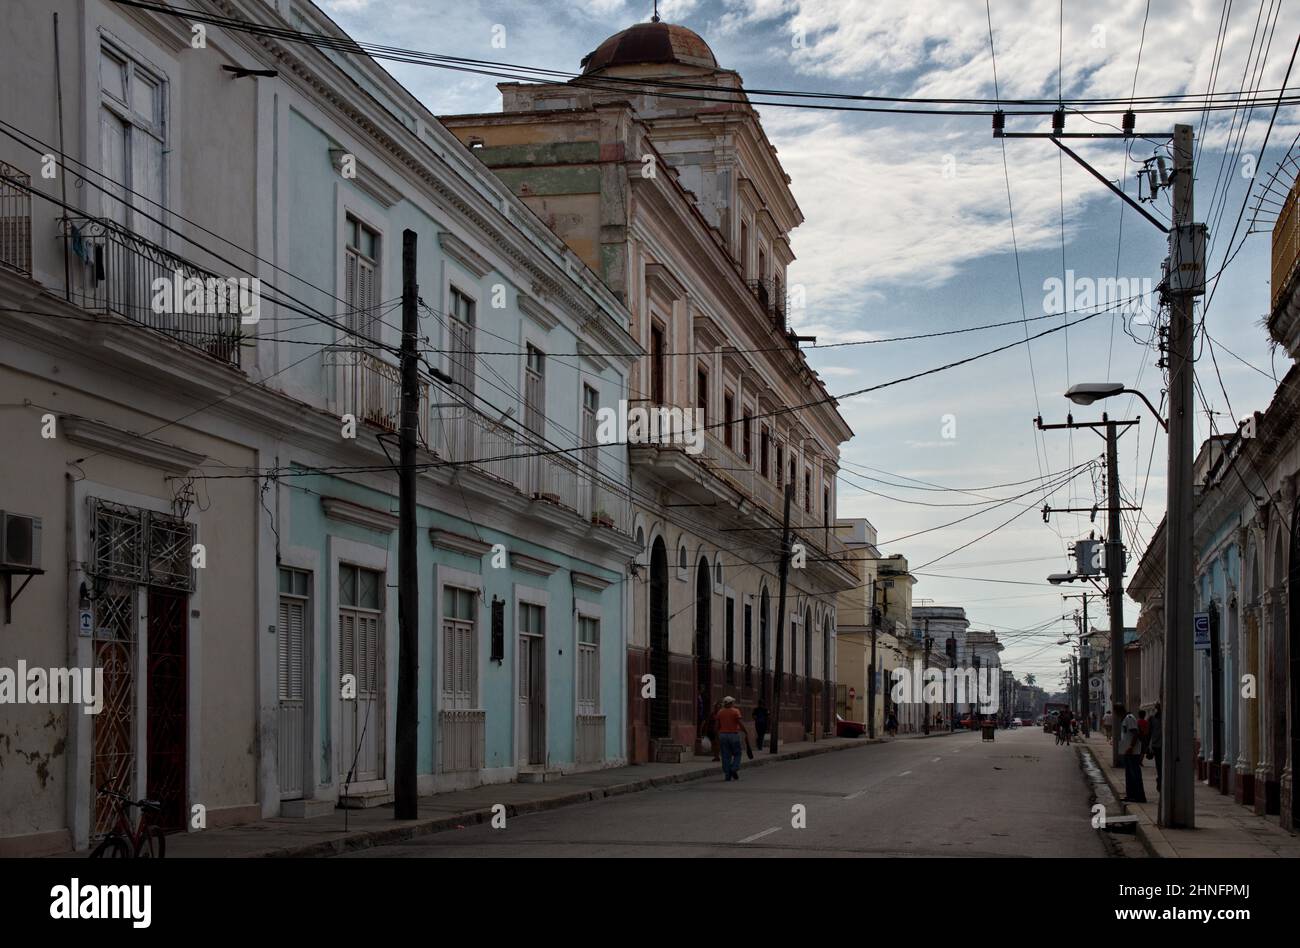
684,210
222,548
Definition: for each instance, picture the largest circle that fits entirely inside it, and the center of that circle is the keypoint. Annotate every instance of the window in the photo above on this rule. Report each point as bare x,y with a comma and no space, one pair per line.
459,648
359,605
762,266
657,357
535,391
360,275
826,505
133,141
744,249
747,437
731,641
764,450
807,489
702,392
728,417
460,329
590,411
291,634
749,644
588,665
780,466
794,639
794,480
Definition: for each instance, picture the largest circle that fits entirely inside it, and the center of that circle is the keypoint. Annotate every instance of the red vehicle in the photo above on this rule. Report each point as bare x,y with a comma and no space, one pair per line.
1051,711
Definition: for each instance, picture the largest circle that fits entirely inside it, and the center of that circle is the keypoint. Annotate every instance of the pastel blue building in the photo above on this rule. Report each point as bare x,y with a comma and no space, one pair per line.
524,519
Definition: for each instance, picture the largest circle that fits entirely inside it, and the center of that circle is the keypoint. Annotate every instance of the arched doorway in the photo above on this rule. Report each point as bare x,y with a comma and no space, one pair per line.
764,643
703,634
1277,678
660,705
807,672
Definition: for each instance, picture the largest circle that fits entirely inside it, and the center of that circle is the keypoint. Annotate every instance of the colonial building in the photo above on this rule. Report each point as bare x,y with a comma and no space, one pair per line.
683,208
207,494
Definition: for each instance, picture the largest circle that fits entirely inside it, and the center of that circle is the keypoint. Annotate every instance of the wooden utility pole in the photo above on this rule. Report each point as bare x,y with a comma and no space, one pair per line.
1177,718
780,622
405,792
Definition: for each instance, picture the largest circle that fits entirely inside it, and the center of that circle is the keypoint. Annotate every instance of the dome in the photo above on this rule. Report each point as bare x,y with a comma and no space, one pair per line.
650,43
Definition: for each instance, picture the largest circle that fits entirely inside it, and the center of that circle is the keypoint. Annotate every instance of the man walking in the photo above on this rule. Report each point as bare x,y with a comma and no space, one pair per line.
731,732
1155,744
1106,723
1130,748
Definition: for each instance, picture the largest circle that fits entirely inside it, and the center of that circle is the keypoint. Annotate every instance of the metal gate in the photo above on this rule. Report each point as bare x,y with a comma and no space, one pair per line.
291,677
168,626
113,764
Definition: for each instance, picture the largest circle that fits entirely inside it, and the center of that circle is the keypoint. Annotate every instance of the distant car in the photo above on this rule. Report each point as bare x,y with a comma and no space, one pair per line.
1016,722
968,722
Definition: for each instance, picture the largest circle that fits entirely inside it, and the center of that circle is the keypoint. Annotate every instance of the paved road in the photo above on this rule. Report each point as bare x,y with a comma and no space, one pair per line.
946,796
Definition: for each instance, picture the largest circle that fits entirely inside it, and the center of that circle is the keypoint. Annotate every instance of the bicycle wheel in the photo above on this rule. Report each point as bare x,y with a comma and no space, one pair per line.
153,845
111,847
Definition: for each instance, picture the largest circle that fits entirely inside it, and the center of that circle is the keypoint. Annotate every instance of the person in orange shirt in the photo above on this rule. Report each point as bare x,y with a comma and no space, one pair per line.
731,733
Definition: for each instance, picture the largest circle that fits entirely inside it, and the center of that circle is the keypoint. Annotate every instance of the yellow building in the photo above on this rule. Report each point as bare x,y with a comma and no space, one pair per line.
878,606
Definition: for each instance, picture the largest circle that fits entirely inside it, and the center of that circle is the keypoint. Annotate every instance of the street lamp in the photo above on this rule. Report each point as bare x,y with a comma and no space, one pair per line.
1177,803
1085,393
1057,578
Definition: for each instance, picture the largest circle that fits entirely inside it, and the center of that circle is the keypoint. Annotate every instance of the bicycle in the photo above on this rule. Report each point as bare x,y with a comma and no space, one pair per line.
124,841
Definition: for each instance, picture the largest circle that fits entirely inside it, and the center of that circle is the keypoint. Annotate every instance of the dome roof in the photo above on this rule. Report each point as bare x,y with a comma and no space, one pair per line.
651,43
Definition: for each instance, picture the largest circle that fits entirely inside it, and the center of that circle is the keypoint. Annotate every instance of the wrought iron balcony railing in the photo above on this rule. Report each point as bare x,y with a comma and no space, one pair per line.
15,220
114,270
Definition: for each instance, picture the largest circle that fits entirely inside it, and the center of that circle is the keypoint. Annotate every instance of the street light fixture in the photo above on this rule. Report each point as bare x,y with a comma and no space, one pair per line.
1085,393
1057,578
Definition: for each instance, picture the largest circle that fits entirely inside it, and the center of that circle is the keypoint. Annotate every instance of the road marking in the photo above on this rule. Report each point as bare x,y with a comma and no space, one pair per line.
856,794
766,832
905,773
933,760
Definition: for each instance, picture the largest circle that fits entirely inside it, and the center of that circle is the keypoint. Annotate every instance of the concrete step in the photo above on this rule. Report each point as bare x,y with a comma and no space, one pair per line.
365,800
306,809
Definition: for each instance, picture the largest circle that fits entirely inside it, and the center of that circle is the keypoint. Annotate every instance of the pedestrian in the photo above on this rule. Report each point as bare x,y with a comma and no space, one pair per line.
731,733
712,730
760,721
1144,731
1130,749
1106,722
891,725
1156,743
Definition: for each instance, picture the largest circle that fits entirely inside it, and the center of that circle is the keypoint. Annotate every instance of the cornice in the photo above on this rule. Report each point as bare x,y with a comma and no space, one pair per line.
109,439
463,254
587,581
346,511
532,564
537,312
458,543
366,178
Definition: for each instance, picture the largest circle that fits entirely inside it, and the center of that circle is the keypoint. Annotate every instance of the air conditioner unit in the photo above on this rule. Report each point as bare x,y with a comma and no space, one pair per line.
20,541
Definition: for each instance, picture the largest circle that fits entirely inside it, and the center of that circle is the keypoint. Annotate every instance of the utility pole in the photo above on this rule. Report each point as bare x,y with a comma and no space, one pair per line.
1177,807
405,792
780,623
871,676
929,642
1115,587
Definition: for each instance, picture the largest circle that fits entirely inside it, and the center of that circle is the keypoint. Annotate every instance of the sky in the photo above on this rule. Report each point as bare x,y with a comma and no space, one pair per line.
923,223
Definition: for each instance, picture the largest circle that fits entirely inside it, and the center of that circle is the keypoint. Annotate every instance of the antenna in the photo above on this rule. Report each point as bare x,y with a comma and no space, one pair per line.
655,18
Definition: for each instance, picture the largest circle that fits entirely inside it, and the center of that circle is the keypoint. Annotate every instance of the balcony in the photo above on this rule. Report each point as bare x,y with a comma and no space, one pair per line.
360,384
113,270
771,298
540,471
1284,314
15,220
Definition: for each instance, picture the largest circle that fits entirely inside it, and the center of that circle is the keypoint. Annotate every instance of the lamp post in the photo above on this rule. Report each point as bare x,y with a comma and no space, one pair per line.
1177,806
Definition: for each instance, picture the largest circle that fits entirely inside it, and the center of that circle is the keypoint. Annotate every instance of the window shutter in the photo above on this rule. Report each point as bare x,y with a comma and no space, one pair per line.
350,289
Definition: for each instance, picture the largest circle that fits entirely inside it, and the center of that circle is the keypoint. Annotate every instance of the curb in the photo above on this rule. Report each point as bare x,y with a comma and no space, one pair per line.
1144,828
368,839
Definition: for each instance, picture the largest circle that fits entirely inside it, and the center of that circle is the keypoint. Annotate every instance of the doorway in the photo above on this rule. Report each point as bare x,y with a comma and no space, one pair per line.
660,704
532,684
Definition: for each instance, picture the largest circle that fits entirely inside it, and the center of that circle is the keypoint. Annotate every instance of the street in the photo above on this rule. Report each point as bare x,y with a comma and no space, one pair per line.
1020,795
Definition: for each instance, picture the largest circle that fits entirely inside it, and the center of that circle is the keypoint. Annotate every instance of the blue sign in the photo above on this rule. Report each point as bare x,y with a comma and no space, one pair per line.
1202,626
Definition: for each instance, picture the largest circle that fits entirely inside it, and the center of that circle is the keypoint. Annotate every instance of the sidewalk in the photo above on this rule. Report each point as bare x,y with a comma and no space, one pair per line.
1224,828
326,836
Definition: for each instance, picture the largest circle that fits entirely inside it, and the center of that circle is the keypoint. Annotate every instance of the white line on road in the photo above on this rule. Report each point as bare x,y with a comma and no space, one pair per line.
934,759
766,832
905,773
856,793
